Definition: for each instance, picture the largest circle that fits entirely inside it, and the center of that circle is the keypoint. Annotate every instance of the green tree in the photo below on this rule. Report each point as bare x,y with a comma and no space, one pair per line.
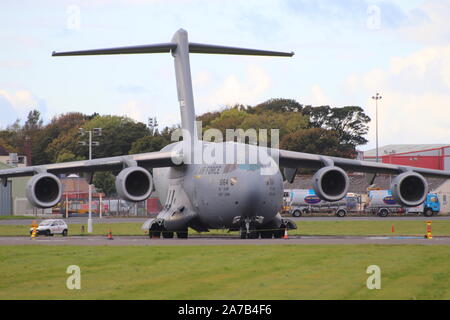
318,116
65,142
66,156
11,138
34,121
314,140
149,144
285,122
229,119
118,135
277,105
350,123
104,181
207,117
59,126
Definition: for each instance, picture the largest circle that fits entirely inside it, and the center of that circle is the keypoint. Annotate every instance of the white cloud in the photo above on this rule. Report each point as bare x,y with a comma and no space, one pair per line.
236,90
20,100
134,110
16,104
434,29
318,97
415,104
201,79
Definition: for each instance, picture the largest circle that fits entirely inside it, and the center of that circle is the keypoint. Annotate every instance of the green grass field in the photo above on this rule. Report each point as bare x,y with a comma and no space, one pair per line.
341,227
228,272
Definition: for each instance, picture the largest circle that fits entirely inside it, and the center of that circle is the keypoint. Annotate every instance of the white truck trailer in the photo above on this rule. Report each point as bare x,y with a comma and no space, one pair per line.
303,201
382,203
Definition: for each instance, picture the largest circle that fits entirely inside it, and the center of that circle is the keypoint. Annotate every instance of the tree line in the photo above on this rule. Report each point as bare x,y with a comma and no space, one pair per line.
321,129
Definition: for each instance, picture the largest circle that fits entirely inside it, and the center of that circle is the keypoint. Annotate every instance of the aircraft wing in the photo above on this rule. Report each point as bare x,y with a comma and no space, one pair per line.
146,160
293,159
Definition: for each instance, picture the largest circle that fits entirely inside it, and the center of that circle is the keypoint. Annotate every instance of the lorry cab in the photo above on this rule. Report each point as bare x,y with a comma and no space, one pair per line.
431,205
287,197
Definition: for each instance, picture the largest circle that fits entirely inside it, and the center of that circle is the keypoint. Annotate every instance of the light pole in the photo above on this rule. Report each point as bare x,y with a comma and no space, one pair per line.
376,98
152,124
98,132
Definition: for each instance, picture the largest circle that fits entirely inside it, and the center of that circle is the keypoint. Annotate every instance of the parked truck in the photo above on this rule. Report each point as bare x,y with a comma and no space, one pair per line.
382,203
298,202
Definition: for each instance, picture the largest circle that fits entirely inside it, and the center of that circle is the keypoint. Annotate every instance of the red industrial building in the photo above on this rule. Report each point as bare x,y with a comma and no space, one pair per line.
432,156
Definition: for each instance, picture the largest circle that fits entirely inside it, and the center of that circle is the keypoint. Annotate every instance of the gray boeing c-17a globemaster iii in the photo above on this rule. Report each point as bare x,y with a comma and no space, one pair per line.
235,190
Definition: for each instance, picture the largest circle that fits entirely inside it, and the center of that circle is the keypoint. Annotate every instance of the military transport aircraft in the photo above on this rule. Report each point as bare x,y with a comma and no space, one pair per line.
239,193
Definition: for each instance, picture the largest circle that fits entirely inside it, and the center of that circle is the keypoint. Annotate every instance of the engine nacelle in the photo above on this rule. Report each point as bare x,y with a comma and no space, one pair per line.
409,189
134,184
330,183
44,190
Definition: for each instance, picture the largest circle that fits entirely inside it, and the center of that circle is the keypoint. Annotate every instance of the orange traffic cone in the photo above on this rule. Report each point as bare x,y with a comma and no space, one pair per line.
110,237
285,234
393,229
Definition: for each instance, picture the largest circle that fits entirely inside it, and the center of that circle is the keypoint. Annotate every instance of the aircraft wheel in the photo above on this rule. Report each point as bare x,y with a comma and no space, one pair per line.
278,234
182,234
383,213
154,234
266,234
253,235
167,234
243,234
341,213
297,213
428,213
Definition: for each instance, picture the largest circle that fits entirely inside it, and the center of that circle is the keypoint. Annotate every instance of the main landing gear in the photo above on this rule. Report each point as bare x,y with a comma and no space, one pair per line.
156,234
249,230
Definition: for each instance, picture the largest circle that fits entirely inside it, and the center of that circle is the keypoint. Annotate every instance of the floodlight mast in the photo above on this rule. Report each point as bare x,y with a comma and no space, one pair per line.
180,48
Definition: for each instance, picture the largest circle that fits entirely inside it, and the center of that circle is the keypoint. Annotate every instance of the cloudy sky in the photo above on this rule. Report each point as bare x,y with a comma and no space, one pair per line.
345,52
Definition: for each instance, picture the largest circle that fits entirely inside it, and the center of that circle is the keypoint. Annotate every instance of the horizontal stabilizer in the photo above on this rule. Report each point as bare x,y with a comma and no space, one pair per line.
168,47
147,48
214,49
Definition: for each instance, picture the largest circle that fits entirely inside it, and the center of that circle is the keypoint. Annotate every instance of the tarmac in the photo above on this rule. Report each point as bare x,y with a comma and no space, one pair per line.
221,241
96,220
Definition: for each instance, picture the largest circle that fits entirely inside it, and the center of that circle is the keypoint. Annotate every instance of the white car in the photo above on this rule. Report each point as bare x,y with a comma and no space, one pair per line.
49,227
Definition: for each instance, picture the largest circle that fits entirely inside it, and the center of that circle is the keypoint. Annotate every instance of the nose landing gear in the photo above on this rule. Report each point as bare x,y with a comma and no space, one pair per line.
249,226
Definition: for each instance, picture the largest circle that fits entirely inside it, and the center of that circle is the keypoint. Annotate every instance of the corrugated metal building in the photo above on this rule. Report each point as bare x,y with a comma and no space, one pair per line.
13,200
432,156
5,196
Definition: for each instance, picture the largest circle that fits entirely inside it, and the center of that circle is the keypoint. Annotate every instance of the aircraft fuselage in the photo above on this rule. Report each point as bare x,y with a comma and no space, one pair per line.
218,193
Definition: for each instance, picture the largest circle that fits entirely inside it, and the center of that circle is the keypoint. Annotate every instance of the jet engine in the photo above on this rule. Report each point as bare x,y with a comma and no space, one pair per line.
409,189
43,190
134,184
330,183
